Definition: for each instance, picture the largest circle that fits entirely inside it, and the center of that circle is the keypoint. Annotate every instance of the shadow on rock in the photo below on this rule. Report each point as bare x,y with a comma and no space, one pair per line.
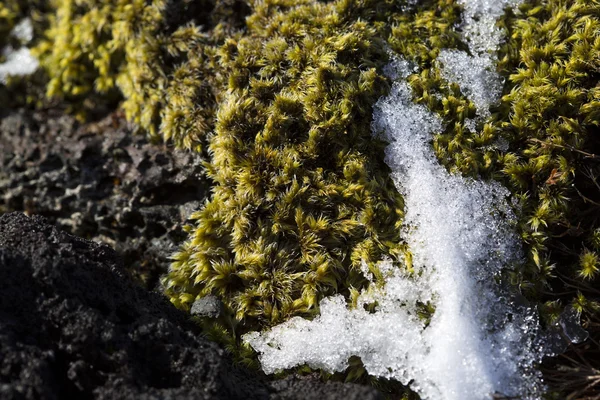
74,325
102,182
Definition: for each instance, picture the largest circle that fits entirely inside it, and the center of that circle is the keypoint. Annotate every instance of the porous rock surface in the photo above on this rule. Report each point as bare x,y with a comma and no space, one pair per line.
74,325
101,182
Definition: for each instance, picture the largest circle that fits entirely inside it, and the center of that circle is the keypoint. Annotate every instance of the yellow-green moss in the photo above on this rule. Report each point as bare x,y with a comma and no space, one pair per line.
154,55
301,193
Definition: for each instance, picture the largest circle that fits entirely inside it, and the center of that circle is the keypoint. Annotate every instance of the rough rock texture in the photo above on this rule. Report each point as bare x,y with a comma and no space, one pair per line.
101,182
73,325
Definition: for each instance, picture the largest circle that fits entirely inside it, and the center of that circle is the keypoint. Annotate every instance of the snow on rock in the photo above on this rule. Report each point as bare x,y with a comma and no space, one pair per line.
478,341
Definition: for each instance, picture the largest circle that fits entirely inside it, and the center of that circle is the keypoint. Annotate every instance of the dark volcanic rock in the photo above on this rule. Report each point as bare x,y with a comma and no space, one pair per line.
101,182
74,325
208,306
310,388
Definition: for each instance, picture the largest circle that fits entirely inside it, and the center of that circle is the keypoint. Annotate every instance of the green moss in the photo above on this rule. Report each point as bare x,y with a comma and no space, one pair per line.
302,194
156,56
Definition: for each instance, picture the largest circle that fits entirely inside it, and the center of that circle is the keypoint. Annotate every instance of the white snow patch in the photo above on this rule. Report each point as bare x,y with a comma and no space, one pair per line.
478,341
18,63
475,73
479,23
398,68
23,31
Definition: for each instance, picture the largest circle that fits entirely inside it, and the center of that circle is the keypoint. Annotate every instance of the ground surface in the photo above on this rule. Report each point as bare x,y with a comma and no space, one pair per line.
101,182
74,325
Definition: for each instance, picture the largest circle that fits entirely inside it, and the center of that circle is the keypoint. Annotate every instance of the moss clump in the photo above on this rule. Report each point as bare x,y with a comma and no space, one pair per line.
157,56
302,195
552,129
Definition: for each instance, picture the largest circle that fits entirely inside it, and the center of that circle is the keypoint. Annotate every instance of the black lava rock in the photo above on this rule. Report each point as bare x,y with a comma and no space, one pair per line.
208,306
74,325
101,181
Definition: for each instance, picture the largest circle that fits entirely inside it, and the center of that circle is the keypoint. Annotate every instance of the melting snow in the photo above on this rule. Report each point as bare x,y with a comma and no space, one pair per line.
475,73
478,342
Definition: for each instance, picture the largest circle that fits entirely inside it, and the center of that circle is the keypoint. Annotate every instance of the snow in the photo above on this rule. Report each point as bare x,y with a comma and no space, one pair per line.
479,23
478,342
475,73
19,62
23,31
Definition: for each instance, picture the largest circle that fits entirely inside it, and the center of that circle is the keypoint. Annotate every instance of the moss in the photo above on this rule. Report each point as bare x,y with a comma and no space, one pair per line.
157,57
302,194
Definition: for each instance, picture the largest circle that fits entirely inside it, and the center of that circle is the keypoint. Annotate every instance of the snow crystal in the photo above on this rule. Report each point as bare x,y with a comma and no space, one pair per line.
19,62
478,341
479,19
475,75
398,68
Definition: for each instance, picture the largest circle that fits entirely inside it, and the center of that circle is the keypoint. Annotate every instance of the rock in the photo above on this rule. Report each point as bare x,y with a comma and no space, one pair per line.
208,306
308,387
100,181
74,325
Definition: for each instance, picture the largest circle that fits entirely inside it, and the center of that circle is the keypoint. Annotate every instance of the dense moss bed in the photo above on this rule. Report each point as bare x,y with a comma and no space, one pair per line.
278,95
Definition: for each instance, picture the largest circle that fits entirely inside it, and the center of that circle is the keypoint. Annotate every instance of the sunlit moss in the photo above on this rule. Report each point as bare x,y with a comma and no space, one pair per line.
302,194
156,56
